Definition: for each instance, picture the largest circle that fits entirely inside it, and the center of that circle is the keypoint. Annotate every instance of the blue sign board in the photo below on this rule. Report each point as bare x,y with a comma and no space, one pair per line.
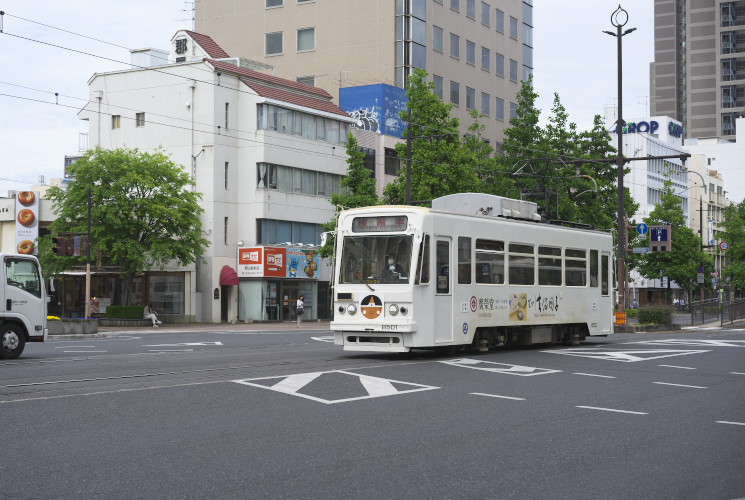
376,107
642,229
659,233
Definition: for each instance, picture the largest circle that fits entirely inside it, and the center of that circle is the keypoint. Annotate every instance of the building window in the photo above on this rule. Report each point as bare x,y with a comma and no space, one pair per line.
225,223
455,5
437,39
499,109
485,103
471,9
273,43
438,85
499,20
513,28
485,59
227,165
470,53
227,114
513,70
392,162
307,80
455,93
369,160
306,39
140,119
499,64
312,127
274,3
470,98
116,121
273,231
297,180
513,110
485,11
454,46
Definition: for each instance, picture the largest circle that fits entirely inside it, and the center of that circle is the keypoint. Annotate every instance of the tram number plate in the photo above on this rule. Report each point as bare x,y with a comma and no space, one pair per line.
390,327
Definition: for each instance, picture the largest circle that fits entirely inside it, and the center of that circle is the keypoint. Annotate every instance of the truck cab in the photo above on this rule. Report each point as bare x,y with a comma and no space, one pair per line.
23,304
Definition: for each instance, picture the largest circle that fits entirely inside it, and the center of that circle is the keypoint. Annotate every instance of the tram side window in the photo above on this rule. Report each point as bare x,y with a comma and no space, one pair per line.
521,260
604,274
422,266
575,267
464,260
490,262
443,267
549,266
594,268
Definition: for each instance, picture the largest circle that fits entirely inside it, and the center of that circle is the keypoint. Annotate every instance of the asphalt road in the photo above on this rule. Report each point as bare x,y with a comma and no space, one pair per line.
157,414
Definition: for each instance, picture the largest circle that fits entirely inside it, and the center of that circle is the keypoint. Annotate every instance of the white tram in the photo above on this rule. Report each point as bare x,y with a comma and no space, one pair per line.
474,269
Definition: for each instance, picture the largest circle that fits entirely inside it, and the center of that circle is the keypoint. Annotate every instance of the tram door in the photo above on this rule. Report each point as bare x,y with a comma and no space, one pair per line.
443,312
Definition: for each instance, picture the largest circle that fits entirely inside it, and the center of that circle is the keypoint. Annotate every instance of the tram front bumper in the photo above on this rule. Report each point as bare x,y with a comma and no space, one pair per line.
381,338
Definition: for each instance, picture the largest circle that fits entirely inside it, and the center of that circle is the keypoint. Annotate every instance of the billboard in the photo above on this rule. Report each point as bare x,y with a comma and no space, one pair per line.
261,262
27,221
376,107
251,262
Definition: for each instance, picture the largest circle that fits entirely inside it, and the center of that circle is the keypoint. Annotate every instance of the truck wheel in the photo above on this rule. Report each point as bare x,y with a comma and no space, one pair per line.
12,341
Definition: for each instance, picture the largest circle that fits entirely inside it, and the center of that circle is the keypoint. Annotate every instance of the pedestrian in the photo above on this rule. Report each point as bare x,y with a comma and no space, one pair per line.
300,310
151,314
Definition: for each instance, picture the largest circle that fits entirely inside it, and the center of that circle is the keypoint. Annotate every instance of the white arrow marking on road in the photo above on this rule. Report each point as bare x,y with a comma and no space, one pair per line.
624,356
184,344
694,342
523,371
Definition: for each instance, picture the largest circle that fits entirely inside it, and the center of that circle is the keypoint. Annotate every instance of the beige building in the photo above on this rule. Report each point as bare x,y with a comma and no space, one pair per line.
698,75
475,51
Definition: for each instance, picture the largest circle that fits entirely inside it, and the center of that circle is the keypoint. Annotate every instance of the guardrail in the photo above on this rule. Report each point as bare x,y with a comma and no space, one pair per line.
732,311
704,311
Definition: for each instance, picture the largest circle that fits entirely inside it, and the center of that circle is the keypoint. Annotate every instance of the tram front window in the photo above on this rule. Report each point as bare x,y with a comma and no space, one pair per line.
376,259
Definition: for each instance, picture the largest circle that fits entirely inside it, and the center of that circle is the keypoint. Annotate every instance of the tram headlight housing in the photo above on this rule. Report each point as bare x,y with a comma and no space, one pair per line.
351,309
393,309
342,310
403,310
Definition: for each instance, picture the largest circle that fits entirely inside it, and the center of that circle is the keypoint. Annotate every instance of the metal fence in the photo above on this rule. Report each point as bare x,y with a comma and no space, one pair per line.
732,311
704,311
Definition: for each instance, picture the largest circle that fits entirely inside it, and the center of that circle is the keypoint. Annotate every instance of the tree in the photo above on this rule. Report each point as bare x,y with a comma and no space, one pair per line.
359,190
682,263
144,213
734,234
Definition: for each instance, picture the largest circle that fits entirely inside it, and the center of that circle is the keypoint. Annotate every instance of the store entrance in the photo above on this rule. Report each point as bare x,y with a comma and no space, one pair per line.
289,295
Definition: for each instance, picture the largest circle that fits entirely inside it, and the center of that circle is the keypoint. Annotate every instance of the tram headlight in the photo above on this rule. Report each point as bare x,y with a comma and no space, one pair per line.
341,310
393,309
403,310
351,309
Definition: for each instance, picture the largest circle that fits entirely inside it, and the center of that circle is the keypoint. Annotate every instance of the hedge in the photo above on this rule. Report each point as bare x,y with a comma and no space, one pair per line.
125,312
656,316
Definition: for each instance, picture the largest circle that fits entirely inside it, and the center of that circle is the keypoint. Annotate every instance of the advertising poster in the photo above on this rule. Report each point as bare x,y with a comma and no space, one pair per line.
312,264
274,262
251,262
27,221
295,263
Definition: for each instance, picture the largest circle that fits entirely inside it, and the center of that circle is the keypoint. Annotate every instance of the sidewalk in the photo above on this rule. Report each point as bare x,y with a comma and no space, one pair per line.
237,327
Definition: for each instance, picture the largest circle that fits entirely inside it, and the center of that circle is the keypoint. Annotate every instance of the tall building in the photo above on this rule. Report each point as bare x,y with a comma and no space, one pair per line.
475,51
698,73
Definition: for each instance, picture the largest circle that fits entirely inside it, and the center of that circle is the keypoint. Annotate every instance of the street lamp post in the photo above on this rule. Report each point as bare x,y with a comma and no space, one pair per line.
700,219
619,18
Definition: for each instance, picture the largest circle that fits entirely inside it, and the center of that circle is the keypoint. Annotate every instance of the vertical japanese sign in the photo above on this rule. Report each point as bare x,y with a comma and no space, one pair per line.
274,262
27,221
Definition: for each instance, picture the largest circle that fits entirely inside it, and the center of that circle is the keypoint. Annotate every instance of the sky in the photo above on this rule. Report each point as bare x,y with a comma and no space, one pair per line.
572,57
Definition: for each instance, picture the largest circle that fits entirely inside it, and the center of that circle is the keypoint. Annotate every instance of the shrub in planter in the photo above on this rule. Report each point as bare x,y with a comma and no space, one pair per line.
656,316
125,312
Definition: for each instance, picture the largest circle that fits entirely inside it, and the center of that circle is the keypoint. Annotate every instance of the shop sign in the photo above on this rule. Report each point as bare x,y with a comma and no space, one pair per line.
274,262
649,127
251,262
27,221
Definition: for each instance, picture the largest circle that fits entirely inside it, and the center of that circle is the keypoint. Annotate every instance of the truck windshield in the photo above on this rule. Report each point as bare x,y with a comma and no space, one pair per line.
23,274
376,259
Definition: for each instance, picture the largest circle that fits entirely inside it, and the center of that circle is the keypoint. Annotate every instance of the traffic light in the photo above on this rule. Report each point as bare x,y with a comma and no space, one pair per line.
69,246
58,246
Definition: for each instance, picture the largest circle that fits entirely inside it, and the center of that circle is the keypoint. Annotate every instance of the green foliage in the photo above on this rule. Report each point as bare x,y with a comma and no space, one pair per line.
359,191
125,312
682,263
655,316
144,212
734,234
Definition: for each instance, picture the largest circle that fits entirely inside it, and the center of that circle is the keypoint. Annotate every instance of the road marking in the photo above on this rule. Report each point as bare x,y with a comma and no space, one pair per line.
681,385
731,423
496,396
329,338
522,371
183,344
736,373
374,387
694,342
681,367
593,375
612,410
69,346
85,351
171,350
623,356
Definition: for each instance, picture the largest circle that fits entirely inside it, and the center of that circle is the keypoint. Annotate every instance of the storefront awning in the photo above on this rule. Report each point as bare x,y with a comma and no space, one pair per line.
228,276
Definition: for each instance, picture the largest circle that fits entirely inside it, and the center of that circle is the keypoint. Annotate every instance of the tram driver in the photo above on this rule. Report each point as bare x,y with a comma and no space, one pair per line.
392,270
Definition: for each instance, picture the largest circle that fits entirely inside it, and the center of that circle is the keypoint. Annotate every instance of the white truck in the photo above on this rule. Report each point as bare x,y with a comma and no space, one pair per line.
23,304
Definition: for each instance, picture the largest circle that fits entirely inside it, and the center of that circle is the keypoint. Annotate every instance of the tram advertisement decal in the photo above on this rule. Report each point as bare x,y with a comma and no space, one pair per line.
371,307
519,306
